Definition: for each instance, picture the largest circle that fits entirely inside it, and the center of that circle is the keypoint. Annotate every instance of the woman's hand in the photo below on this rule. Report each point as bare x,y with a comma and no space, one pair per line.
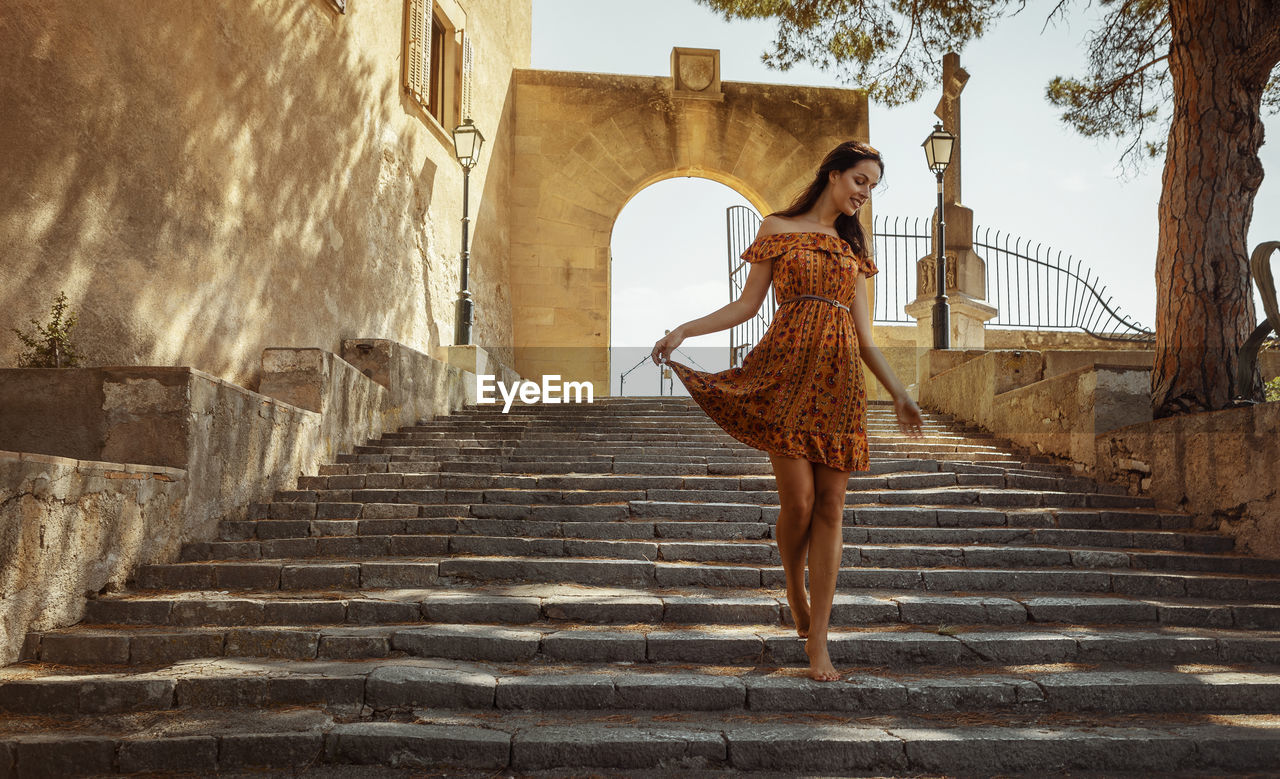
666,345
909,420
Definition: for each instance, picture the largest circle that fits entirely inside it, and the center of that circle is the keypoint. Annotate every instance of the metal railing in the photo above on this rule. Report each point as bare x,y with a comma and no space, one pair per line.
1031,288
742,225
897,243
1036,289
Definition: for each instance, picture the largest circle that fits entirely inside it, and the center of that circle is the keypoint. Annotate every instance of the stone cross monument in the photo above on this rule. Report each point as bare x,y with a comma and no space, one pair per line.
966,271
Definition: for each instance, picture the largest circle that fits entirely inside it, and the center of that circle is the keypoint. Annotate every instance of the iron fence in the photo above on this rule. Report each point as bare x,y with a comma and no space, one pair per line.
1036,288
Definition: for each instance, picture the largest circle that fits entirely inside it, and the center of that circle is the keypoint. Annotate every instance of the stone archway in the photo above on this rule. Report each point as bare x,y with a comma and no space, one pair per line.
586,143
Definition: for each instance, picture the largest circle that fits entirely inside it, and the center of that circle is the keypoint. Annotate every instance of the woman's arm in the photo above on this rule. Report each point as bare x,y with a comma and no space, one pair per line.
754,291
867,348
905,409
746,306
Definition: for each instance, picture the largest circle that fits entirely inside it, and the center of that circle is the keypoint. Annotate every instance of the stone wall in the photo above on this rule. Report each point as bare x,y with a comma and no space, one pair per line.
70,527
1061,352
1063,415
237,446
209,179
203,450
1221,466
968,389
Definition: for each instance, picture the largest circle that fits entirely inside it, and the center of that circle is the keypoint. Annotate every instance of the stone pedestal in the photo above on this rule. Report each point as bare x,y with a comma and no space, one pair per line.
967,317
968,327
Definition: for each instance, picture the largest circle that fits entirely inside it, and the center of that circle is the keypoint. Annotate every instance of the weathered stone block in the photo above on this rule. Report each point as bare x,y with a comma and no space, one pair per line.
39,696
406,574
353,646
310,690
246,576
81,648
597,746
717,648
417,746
595,646
60,756
163,648
320,577
269,750
410,686
222,691
813,748
468,607
111,696
558,691
681,692
271,642
468,642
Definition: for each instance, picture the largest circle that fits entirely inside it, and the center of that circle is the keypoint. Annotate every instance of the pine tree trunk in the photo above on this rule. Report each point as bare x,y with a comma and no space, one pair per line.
1212,172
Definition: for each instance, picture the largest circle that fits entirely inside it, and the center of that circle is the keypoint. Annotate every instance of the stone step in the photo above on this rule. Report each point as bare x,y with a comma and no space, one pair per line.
272,516
319,488
310,739
641,573
388,572
761,552
414,452
612,523
744,465
758,465
897,646
605,605
734,504
396,685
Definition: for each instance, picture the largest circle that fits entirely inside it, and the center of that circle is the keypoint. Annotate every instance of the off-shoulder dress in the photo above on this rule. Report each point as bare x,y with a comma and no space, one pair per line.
800,391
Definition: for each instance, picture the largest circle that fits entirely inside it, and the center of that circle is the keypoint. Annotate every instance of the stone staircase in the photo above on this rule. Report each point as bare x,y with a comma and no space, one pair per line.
574,588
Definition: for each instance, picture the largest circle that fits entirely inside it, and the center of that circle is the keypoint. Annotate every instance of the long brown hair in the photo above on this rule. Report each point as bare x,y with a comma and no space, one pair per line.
840,159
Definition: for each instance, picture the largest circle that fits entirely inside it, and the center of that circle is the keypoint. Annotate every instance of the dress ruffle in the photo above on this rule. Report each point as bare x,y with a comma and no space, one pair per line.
772,246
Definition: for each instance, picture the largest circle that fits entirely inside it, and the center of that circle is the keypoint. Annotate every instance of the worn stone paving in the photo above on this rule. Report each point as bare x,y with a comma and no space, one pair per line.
579,591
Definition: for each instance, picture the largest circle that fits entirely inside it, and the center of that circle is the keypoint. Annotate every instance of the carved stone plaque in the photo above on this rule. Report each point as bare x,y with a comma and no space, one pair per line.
696,73
926,282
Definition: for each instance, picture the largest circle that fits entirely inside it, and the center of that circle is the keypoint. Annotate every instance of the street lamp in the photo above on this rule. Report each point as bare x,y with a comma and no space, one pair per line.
467,141
937,150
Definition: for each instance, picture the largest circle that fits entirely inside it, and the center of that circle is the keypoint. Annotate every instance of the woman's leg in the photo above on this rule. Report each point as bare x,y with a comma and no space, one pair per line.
794,477
826,545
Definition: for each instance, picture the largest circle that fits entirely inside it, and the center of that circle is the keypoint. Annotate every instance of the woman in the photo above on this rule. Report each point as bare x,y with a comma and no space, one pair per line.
800,393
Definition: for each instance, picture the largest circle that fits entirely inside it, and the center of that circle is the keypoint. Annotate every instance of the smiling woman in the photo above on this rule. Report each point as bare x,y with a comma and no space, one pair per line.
800,394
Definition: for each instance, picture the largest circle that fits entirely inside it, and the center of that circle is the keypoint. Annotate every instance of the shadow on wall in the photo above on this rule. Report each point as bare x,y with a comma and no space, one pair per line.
208,179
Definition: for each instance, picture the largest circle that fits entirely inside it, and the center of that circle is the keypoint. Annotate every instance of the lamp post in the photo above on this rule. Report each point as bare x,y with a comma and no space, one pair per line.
467,141
937,149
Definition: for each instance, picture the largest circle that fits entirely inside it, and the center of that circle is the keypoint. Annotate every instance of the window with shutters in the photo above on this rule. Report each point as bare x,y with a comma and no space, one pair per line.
438,62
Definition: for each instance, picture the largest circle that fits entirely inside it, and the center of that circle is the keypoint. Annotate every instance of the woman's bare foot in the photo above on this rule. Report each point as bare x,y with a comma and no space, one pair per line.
799,613
820,667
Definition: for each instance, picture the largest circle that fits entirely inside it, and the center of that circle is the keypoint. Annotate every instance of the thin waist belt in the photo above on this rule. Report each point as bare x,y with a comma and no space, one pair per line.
835,303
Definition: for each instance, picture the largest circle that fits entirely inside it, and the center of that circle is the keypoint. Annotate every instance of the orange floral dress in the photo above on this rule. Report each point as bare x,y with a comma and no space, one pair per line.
800,392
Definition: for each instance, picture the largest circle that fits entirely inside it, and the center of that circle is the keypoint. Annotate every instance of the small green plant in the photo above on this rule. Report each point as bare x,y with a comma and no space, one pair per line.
1273,389
50,345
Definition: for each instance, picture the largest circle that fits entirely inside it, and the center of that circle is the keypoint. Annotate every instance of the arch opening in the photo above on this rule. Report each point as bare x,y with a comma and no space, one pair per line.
668,264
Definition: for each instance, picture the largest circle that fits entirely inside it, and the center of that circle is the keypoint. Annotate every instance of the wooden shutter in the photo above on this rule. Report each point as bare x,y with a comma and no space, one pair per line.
417,72
468,75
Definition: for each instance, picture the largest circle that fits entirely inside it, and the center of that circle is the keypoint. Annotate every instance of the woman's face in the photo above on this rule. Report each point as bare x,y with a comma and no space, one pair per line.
852,187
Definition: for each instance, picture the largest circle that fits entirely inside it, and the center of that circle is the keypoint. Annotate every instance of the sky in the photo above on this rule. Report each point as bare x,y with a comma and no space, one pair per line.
1025,172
